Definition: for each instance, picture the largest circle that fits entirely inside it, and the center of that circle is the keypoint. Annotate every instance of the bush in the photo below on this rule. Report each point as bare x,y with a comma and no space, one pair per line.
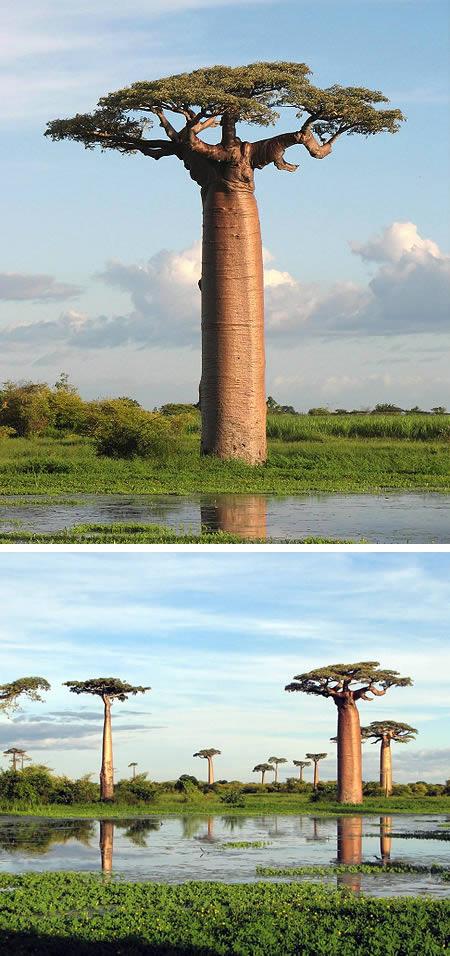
235,798
185,780
139,790
7,432
25,407
68,791
126,431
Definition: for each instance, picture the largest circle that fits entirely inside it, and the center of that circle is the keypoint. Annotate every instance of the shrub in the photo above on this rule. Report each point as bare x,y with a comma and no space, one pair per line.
126,431
235,798
139,790
25,407
6,432
185,780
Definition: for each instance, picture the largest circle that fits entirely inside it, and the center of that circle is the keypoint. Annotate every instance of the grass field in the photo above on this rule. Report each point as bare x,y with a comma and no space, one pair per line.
319,462
56,913
254,804
117,533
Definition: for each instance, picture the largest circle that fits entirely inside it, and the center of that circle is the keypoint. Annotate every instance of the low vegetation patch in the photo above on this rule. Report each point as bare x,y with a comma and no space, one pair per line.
244,844
65,912
371,868
421,835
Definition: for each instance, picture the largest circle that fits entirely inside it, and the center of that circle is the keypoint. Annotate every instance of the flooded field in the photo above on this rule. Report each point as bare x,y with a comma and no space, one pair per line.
394,517
234,849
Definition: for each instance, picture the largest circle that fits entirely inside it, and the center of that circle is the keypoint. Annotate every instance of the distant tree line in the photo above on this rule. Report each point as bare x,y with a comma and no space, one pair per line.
383,408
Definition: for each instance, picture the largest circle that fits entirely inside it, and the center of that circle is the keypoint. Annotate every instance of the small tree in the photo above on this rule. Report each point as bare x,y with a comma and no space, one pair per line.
346,685
276,761
384,731
315,759
301,764
16,754
133,765
30,687
263,768
209,754
109,689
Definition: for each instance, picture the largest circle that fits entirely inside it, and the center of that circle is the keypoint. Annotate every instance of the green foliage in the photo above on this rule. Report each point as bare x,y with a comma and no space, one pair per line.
320,423
37,785
112,688
30,687
376,869
342,678
392,729
235,798
126,431
136,791
55,912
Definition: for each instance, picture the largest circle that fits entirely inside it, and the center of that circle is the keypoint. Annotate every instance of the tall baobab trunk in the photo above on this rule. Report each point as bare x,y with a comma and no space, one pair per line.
349,850
232,394
106,845
106,772
300,774
386,767
263,776
210,771
349,753
316,774
385,838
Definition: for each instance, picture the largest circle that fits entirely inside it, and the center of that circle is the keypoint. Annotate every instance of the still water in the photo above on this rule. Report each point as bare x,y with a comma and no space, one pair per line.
176,849
394,517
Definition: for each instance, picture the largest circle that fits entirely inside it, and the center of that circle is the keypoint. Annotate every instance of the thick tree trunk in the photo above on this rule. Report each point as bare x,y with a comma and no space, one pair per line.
386,767
243,514
106,845
349,753
263,774
233,401
106,773
210,771
349,850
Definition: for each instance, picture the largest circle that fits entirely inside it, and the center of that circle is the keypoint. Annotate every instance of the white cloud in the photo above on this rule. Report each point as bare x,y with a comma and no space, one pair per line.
18,287
394,242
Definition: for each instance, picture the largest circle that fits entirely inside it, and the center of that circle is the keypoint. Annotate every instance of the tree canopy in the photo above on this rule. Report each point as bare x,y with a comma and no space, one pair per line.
263,768
389,729
316,757
302,763
355,681
277,760
187,104
207,753
108,688
30,687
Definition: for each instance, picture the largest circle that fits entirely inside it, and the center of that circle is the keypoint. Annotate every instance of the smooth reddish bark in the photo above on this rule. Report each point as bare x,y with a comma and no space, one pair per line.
349,751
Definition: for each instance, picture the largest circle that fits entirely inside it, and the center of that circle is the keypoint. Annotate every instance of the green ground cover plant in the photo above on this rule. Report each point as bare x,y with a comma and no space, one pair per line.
70,464
369,868
126,533
83,914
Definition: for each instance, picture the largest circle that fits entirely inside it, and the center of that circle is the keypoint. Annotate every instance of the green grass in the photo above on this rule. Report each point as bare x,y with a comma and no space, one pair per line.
126,533
255,804
403,427
47,466
377,869
244,844
79,913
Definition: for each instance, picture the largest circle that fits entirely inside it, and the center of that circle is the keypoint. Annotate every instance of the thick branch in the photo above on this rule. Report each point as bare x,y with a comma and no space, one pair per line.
167,125
272,150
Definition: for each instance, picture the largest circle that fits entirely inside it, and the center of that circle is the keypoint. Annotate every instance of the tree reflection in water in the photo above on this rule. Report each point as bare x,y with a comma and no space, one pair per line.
245,515
38,838
349,850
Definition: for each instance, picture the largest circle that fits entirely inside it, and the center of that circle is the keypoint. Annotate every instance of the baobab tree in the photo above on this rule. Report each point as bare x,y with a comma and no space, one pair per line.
232,390
133,765
346,685
384,732
276,761
30,687
301,764
315,759
15,754
263,768
109,689
209,754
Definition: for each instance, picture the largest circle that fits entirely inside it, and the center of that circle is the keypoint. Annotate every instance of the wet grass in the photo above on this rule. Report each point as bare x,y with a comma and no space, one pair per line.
421,835
327,463
402,427
369,868
254,805
132,533
83,914
244,844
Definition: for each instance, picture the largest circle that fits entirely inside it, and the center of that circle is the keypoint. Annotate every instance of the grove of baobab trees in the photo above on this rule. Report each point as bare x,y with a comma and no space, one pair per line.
384,732
346,685
186,106
109,689
315,758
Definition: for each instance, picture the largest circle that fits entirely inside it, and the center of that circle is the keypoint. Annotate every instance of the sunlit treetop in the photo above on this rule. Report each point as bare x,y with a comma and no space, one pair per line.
108,688
316,757
389,730
263,767
302,763
187,104
208,752
277,760
30,687
349,681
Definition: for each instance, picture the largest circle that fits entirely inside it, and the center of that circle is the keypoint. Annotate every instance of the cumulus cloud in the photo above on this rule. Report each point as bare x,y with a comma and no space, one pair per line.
409,293
17,287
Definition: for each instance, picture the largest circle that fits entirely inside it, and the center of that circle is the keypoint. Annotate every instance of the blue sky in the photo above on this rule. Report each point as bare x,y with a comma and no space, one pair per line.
217,636
102,248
